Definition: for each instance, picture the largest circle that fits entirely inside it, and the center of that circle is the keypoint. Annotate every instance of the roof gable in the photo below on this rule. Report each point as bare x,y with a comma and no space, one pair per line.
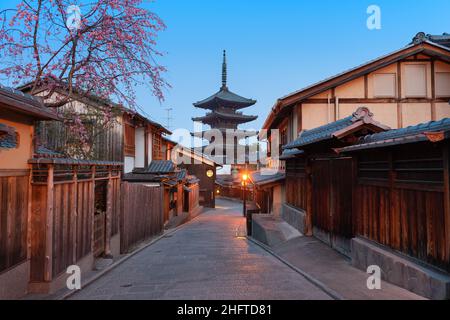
362,118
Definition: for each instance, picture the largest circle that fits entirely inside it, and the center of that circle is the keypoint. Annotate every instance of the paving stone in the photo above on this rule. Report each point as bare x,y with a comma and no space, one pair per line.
204,260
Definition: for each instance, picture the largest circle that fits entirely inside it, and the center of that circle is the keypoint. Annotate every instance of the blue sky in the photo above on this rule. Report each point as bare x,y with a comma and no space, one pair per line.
274,47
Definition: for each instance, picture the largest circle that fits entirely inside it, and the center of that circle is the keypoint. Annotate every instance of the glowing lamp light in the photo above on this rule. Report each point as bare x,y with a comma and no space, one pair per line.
209,173
245,177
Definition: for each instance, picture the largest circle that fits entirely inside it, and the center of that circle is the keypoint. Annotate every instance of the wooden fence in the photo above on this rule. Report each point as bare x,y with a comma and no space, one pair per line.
63,207
400,201
13,218
142,214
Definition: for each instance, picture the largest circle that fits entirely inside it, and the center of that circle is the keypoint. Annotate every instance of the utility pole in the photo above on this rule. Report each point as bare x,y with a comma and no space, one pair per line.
169,118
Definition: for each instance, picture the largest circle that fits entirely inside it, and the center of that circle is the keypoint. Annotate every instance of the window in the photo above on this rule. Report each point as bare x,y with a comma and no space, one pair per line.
443,84
384,85
415,82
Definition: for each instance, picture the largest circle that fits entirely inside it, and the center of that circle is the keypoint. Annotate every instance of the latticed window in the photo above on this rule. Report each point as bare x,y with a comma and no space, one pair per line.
157,147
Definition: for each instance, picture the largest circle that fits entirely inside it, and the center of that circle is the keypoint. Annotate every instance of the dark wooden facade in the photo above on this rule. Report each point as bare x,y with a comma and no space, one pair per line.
14,192
401,200
207,196
320,182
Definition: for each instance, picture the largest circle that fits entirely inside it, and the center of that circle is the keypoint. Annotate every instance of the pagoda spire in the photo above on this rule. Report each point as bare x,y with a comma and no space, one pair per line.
224,70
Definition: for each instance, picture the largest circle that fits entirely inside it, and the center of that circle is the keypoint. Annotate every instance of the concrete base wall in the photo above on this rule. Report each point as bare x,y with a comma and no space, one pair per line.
402,271
295,217
14,282
272,230
86,264
115,245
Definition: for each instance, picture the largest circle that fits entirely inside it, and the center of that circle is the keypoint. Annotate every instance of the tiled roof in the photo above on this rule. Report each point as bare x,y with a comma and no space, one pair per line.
26,104
181,175
238,117
226,98
261,178
160,166
362,116
319,134
141,177
192,179
443,40
402,136
8,140
290,153
44,152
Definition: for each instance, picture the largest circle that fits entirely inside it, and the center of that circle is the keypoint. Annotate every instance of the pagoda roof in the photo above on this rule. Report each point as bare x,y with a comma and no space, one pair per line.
225,98
234,117
240,133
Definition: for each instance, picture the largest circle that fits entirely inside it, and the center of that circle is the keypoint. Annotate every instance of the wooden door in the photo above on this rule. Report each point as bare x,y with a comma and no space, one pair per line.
332,184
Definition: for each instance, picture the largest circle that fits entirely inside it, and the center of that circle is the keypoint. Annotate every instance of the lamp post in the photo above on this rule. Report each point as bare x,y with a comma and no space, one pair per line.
244,191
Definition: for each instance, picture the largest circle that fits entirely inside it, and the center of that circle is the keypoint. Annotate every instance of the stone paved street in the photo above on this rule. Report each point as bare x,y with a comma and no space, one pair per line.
207,259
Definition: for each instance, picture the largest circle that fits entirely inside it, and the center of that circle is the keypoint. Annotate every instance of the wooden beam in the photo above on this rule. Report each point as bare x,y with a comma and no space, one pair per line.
109,202
399,96
378,100
366,86
74,213
48,268
433,91
309,199
446,159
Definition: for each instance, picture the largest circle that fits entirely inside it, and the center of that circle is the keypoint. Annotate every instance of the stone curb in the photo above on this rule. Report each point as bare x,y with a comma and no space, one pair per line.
314,281
126,257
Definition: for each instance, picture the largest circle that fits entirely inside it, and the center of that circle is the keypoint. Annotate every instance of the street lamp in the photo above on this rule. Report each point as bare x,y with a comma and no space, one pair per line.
244,188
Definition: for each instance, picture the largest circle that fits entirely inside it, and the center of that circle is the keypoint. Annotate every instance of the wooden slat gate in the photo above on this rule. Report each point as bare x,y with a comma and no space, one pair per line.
99,234
332,202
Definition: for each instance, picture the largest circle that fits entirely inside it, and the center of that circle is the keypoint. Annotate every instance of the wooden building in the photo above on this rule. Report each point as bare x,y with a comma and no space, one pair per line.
127,136
201,166
403,88
379,196
18,114
401,206
177,185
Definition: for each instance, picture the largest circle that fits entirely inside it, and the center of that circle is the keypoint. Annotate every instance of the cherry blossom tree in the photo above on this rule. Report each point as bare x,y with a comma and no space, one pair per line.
103,48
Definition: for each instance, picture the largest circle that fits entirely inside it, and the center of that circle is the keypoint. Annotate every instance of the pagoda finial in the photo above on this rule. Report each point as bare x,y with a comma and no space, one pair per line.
224,70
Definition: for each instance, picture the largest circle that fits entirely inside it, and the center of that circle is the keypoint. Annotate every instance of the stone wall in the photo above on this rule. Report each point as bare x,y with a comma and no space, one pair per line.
400,270
295,217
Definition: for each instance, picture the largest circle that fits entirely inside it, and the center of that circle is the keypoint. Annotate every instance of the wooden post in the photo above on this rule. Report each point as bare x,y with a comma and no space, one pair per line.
309,199
446,159
48,268
74,213
108,221
92,207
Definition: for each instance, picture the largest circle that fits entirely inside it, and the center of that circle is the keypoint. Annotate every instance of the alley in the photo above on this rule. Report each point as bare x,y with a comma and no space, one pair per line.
209,258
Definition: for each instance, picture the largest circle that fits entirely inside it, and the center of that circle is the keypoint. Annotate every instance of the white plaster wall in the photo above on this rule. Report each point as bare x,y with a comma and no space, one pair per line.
128,164
140,148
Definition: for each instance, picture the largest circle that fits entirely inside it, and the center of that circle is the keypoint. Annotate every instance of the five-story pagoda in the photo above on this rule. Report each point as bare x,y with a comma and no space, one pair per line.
225,118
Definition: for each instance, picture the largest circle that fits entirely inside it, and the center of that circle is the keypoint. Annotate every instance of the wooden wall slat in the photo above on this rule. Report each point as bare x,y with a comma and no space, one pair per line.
141,215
